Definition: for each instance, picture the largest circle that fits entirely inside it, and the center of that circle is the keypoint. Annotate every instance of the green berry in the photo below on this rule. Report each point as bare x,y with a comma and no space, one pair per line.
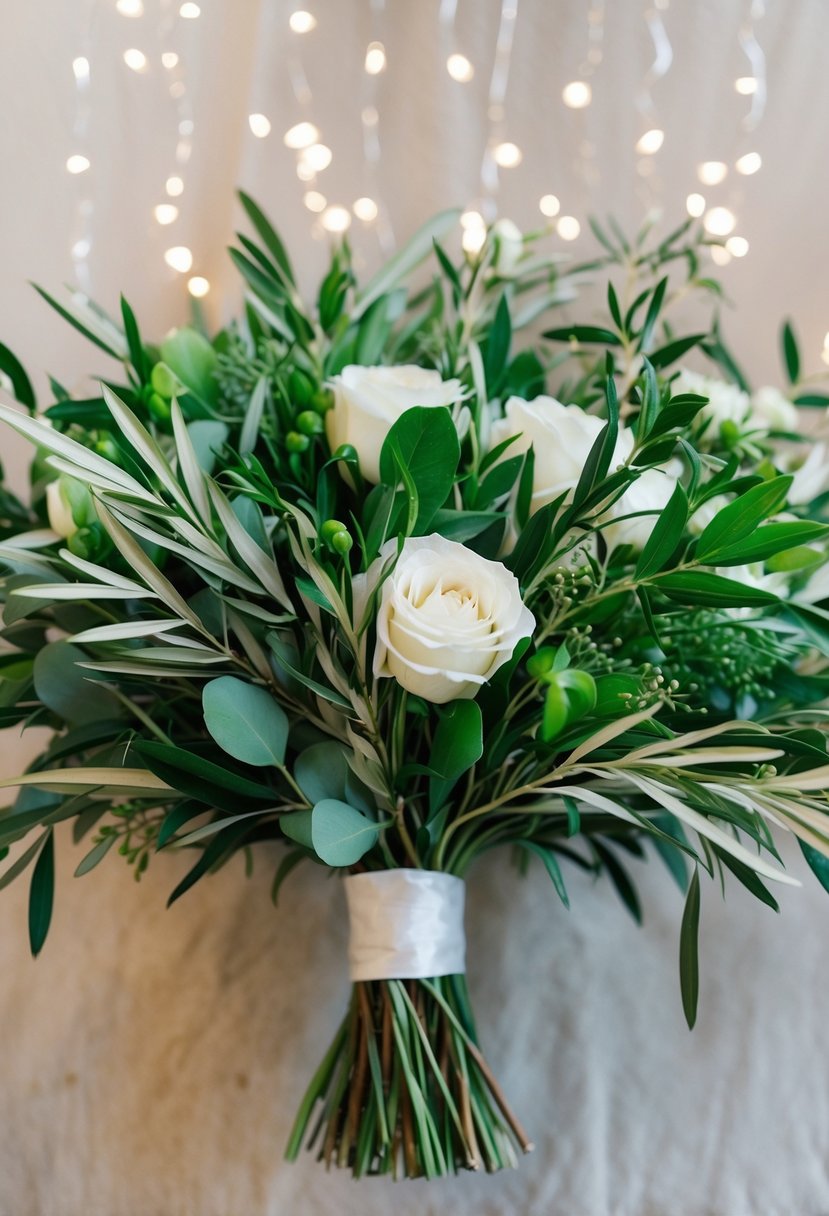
341,542
323,401
310,423
295,442
330,529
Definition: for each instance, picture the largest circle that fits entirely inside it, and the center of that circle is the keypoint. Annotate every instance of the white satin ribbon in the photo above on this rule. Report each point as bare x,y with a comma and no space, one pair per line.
405,924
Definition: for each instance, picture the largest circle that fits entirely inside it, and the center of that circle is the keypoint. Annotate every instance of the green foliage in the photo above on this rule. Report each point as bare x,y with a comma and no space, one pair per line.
203,647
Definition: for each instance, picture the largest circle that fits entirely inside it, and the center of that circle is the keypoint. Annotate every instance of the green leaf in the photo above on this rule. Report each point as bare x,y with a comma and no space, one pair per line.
138,356
268,236
321,771
652,313
297,826
711,590
740,518
769,540
245,721
550,865
749,879
42,894
584,333
288,863
405,260
95,855
672,351
21,384
496,349
341,835
818,863
791,355
69,690
106,339
20,863
425,439
666,534
689,952
188,353
458,741
197,777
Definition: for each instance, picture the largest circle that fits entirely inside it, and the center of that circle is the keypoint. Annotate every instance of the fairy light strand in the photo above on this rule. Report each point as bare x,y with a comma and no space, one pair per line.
370,208
499,152
652,135
166,213
79,162
577,95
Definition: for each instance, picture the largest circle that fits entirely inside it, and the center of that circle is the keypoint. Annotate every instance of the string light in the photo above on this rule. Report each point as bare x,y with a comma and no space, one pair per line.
824,354
719,255
365,209
474,232
316,158
170,60
712,172
507,155
549,205
375,58
746,86
314,201
460,68
695,205
165,213
80,69
737,246
749,164
302,22
568,228
77,164
130,8
198,286
650,143
498,82
719,221
302,135
135,60
174,186
189,11
577,94
259,125
179,258
336,219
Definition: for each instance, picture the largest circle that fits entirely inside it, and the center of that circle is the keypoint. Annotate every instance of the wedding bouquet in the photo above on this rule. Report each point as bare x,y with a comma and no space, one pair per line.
347,580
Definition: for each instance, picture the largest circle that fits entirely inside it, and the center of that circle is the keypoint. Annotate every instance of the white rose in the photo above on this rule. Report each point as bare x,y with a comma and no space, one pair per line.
59,510
650,492
447,618
561,437
369,400
773,411
811,478
509,246
726,402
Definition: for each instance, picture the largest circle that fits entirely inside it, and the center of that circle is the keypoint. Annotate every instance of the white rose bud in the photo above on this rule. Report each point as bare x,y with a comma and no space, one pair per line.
650,492
447,618
771,410
811,477
509,246
59,510
726,402
561,437
369,400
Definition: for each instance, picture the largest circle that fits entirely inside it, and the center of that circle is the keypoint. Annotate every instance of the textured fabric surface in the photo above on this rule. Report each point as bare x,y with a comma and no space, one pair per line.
153,1059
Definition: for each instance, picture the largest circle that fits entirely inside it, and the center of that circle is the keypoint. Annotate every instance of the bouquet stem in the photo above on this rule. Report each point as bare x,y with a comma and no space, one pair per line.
405,1089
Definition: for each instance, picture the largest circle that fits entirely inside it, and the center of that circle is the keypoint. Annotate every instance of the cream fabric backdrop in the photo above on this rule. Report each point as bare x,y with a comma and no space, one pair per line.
152,1060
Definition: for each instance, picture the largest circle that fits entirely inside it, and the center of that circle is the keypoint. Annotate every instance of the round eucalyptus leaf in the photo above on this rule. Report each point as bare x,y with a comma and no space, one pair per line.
245,721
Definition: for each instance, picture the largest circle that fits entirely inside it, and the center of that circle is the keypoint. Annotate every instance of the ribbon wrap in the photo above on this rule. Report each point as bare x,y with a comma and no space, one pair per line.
405,924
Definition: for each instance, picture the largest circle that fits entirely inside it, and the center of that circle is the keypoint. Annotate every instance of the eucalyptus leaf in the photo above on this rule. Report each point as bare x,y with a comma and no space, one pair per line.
245,721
